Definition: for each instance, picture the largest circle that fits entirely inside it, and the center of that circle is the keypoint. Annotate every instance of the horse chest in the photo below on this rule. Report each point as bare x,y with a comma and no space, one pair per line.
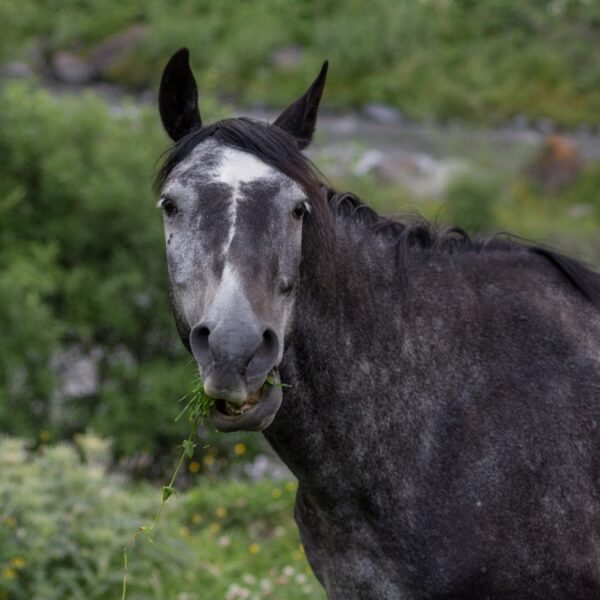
346,552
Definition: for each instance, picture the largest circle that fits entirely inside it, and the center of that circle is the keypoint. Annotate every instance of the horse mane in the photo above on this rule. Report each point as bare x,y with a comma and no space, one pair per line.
422,234
278,149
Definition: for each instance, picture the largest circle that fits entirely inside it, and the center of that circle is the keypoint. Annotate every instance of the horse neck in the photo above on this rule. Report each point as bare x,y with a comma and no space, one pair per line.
330,352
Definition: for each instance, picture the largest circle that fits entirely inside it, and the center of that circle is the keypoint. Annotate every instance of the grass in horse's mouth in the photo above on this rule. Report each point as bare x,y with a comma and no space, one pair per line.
203,402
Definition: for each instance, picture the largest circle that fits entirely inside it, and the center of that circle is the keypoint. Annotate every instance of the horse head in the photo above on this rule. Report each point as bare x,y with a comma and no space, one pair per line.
235,197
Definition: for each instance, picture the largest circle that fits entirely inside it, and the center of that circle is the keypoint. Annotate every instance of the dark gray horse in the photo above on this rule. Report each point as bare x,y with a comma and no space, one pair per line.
444,409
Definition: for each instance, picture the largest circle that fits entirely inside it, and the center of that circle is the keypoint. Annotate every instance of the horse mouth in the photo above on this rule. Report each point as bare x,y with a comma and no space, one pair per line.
257,411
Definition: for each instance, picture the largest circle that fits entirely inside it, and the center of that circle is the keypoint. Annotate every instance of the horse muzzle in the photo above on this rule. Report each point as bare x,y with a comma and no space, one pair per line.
237,359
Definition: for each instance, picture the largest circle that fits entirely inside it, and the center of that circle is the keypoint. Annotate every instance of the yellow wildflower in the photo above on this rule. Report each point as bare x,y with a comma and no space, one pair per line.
239,449
197,519
221,512
194,466
209,460
8,573
17,562
254,548
276,493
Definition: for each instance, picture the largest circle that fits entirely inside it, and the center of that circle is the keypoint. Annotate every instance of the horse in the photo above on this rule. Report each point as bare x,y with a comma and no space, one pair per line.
442,402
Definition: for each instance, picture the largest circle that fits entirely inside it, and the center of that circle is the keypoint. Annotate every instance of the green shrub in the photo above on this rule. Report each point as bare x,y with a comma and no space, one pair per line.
586,190
470,205
64,521
83,277
76,182
483,61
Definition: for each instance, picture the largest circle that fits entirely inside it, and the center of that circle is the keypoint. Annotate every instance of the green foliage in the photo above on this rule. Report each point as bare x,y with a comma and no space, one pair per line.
470,204
65,520
70,171
248,541
483,61
586,190
194,410
82,276
28,277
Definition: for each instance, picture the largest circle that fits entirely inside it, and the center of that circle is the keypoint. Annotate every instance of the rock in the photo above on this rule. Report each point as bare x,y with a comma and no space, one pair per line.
79,376
546,126
584,130
423,175
520,122
381,113
370,161
340,157
109,53
344,125
578,211
73,68
557,164
288,58
68,67
16,70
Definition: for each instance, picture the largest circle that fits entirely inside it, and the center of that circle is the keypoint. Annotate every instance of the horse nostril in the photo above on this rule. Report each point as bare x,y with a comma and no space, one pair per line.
199,341
265,356
270,340
203,335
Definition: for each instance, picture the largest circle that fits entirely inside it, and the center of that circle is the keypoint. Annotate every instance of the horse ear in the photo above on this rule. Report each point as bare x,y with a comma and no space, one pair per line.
178,96
299,119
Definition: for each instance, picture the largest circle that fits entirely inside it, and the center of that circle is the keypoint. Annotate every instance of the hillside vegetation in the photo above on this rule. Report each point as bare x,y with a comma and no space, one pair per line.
445,59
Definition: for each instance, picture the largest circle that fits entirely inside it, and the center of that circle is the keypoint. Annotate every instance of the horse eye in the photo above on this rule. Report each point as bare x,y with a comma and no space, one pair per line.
299,210
168,206
286,287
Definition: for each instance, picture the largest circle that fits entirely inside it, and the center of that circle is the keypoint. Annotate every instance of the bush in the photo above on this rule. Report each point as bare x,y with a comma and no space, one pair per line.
470,205
65,521
88,336
70,171
586,191
483,61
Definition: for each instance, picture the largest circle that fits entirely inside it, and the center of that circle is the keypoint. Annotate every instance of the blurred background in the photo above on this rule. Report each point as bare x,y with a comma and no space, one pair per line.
479,114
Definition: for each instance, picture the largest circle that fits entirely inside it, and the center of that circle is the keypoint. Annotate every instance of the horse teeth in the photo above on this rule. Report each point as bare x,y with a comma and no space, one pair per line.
233,410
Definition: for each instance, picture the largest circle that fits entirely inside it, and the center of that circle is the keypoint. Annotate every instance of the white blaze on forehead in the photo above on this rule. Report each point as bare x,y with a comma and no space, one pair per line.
230,293
237,168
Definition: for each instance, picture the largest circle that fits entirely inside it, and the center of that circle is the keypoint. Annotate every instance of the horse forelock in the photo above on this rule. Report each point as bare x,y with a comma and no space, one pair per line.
267,143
